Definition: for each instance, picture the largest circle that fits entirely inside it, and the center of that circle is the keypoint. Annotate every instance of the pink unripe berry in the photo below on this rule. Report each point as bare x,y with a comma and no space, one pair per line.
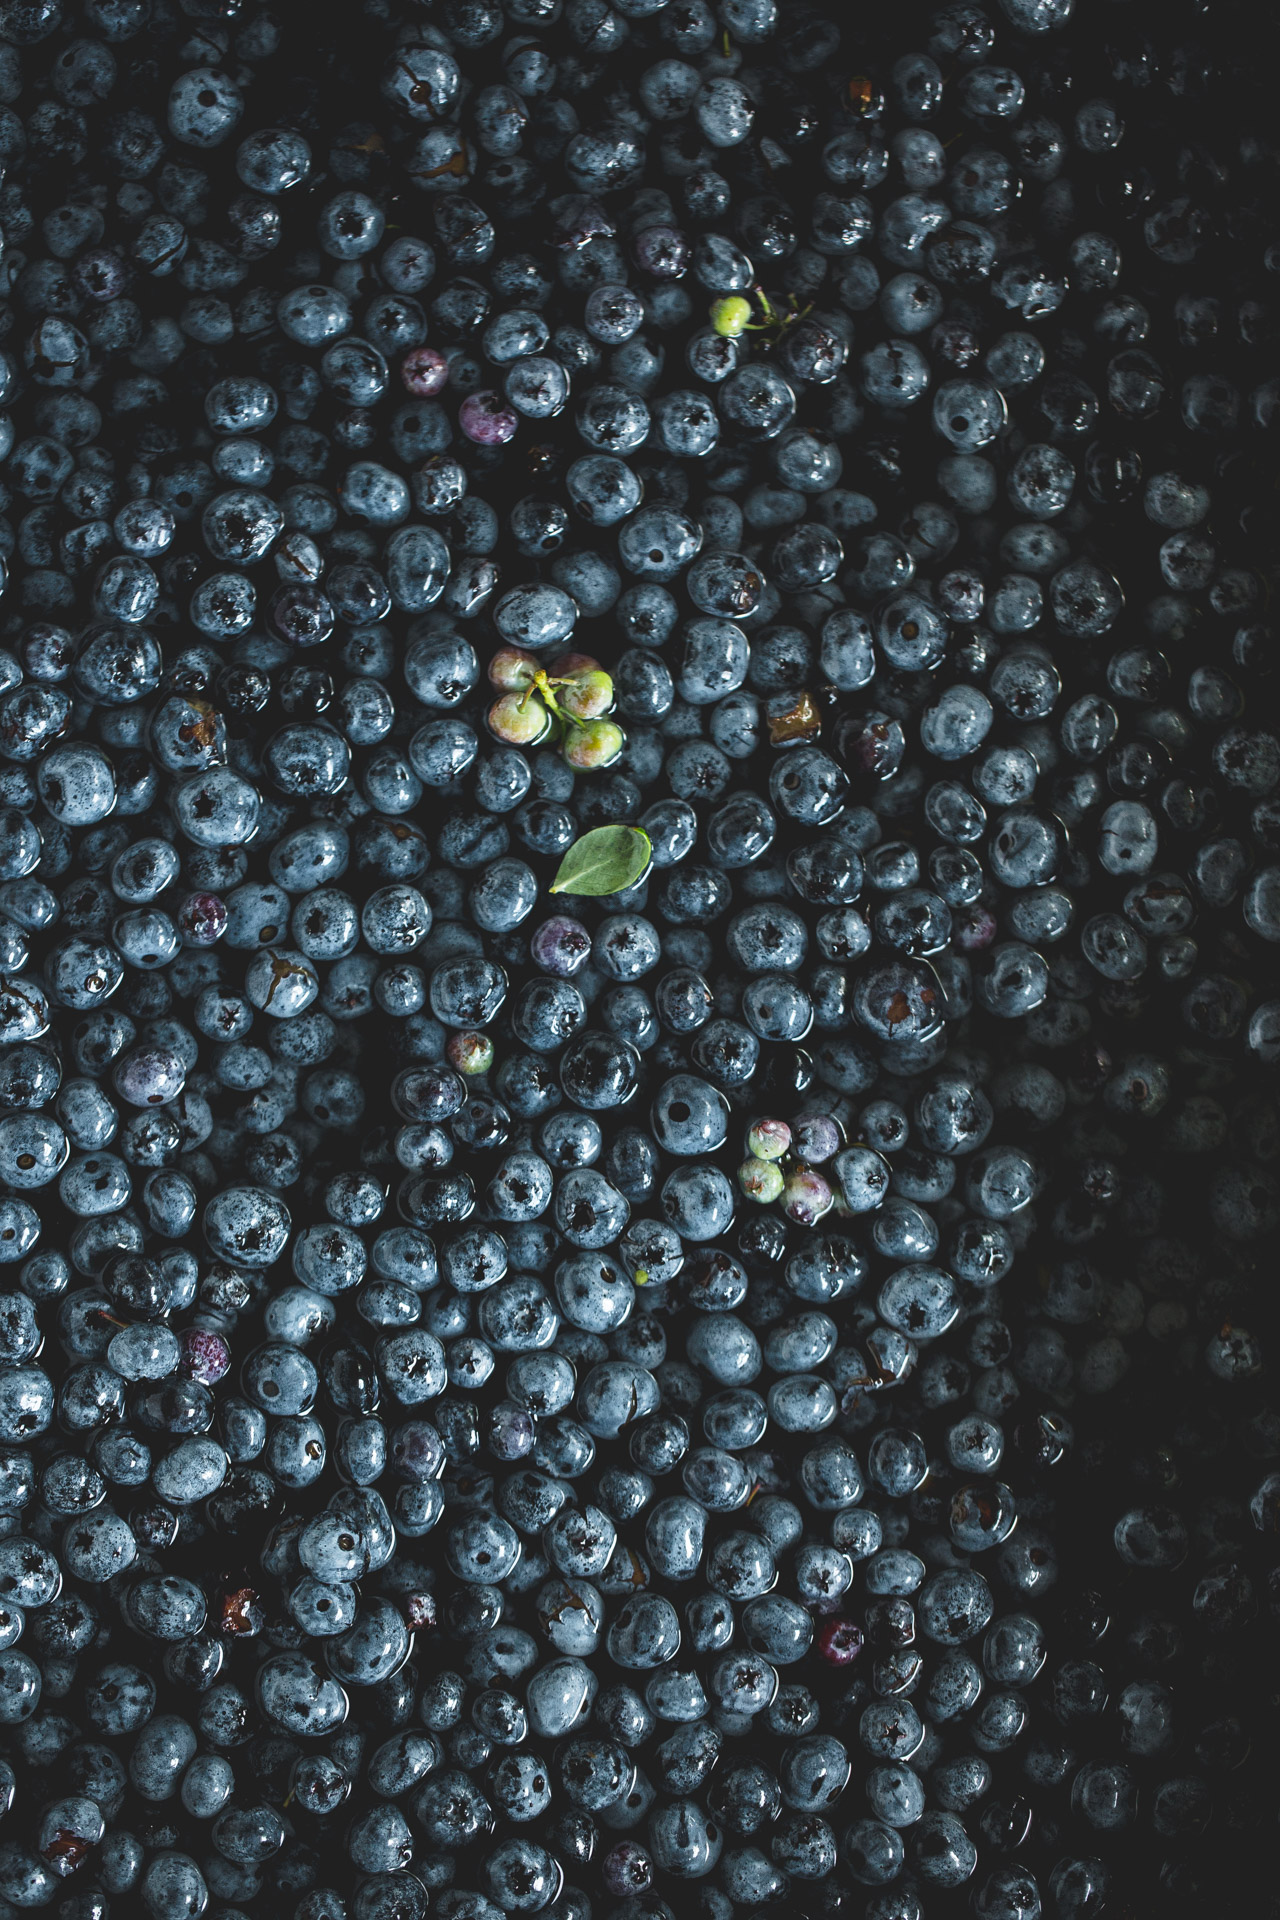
469,1052
807,1197
817,1137
486,419
424,370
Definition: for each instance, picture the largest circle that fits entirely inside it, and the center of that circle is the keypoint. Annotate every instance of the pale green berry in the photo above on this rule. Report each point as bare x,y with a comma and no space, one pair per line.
731,316
768,1139
595,745
519,720
587,695
512,670
760,1180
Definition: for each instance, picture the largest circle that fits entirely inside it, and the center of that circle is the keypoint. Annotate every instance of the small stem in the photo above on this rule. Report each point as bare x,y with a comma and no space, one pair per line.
543,685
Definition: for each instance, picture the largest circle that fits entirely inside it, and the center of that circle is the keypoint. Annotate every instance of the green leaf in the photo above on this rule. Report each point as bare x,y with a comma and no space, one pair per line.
604,861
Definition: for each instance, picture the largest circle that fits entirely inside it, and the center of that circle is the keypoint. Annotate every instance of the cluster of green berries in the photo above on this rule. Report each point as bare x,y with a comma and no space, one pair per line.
570,699
782,1162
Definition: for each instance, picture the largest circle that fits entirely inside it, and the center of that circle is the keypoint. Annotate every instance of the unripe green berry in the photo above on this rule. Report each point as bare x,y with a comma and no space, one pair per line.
519,720
588,695
595,745
768,1139
731,316
469,1053
512,670
761,1180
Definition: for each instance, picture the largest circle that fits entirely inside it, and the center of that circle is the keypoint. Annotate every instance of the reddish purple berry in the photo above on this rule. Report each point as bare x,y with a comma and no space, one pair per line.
560,946
974,928
817,1137
511,1433
806,1197
662,252
627,1869
417,1451
839,1642
424,370
485,419
205,1355
202,920
420,1611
